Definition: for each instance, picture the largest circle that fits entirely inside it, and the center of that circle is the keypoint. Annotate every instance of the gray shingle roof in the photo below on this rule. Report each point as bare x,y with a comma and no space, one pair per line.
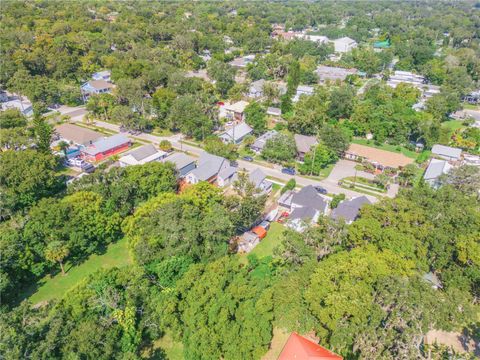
209,165
240,130
107,144
448,151
349,209
143,152
303,213
227,172
180,160
262,140
435,169
304,143
309,197
256,177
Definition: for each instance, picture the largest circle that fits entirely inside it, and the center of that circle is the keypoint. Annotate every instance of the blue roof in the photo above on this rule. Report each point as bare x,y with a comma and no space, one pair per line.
107,144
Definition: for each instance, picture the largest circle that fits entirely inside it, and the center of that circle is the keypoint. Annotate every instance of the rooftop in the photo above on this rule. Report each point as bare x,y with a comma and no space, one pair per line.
238,107
144,152
99,84
77,134
304,143
345,40
208,166
449,151
179,159
436,168
262,140
299,348
309,197
106,144
237,132
256,177
349,209
382,157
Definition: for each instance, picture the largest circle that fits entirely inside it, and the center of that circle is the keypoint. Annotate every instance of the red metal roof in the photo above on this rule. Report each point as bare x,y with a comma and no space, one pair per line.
299,348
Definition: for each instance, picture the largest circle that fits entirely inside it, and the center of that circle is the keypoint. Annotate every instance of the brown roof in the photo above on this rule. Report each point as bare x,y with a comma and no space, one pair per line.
100,84
382,157
77,134
304,143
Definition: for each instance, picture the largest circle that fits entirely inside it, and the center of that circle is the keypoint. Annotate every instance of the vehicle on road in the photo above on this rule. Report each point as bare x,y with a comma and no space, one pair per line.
265,224
247,158
88,168
320,189
288,171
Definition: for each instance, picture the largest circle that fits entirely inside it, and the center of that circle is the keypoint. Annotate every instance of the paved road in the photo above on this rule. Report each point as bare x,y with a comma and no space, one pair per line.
330,184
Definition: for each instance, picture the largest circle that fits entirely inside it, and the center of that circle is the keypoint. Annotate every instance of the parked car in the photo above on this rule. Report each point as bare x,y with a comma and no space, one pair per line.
321,190
248,158
234,163
88,168
288,171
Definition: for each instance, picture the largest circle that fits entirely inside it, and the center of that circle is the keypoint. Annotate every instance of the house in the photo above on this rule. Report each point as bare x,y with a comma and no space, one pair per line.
242,62
247,242
304,144
380,159
200,74
142,155
184,164
344,45
260,142
236,133
259,179
435,169
331,73
77,135
106,147
226,176
208,168
102,75
22,105
319,39
303,90
274,112
472,98
95,87
256,89
447,152
236,110
417,81
299,348
306,207
348,210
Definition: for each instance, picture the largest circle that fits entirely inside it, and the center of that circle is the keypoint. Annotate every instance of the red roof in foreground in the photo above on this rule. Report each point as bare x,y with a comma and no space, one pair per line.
299,348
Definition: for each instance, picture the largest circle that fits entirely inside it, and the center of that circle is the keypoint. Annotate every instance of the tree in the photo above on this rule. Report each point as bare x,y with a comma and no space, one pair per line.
27,176
337,199
464,178
43,133
187,115
12,118
223,74
165,145
341,102
255,116
163,99
214,145
57,251
335,138
316,160
280,148
407,174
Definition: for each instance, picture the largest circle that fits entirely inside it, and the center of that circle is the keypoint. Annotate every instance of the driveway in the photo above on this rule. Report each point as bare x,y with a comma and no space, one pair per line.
345,168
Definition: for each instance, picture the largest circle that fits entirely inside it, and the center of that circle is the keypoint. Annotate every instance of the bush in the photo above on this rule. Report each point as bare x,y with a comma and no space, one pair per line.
337,198
290,185
165,145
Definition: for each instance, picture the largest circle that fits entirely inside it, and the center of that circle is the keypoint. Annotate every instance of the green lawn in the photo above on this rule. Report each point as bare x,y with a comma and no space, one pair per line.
173,349
387,147
324,173
453,125
55,287
271,241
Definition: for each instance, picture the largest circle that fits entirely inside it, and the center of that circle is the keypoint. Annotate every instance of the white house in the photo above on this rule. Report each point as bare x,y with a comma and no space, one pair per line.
447,152
344,45
22,105
236,133
208,168
435,169
142,155
256,89
102,75
95,87
303,90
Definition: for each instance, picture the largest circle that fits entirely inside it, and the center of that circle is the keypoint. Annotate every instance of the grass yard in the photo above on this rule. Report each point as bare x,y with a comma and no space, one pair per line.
55,287
324,173
387,147
453,125
280,337
173,349
271,241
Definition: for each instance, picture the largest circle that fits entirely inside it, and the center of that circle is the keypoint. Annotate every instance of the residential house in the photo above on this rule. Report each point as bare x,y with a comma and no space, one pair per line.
106,147
348,210
260,142
226,176
208,167
319,39
306,207
447,152
184,164
304,145
274,112
473,98
242,62
96,87
259,179
22,104
102,75
303,90
236,133
435,169
331,73
472,160
142,155
256,89
418,81
299,348
77,135
344,45
380,159
236,110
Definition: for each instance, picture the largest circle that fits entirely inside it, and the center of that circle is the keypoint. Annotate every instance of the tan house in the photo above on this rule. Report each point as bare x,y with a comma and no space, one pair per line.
381,159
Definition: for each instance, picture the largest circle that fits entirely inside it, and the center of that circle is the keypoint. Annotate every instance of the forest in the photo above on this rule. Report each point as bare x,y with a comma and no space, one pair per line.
359,287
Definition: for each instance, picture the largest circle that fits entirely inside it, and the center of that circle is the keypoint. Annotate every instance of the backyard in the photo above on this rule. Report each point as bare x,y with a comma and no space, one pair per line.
55,287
